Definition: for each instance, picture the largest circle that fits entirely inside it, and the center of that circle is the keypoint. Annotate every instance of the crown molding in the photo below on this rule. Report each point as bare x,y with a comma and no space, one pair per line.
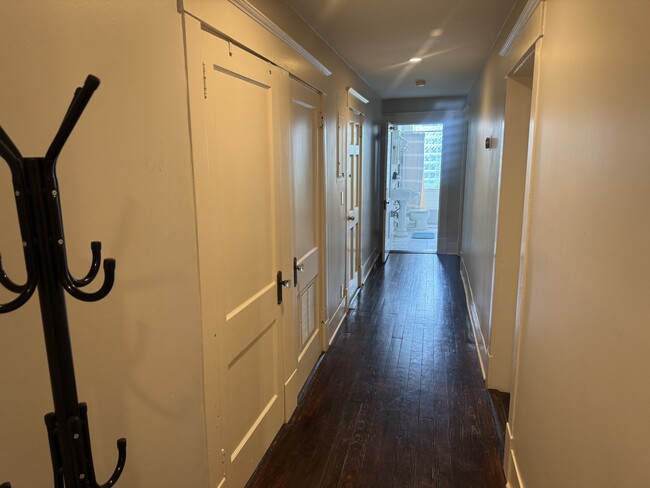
357,95
273,28
525,15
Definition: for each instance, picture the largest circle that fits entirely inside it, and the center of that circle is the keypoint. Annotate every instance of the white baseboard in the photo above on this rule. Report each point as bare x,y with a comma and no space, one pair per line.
336,321
479,340
291,389
366,268
453,247
442,245
514,475
510,466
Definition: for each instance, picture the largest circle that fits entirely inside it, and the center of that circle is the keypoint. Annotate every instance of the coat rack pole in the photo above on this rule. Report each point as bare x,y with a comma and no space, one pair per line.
55,321
39,214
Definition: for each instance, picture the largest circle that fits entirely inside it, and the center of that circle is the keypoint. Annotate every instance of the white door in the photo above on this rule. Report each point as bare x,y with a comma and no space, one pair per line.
389,129
243,189
353,261
305,169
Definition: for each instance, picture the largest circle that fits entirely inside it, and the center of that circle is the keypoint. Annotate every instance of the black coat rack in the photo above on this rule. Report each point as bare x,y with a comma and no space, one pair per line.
41,227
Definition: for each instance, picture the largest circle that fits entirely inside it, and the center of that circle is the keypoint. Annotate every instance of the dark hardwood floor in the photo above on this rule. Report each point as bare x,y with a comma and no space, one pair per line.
500,404
398,401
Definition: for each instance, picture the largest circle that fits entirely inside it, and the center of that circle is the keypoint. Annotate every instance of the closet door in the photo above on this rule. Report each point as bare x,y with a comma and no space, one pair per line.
241,120
305,170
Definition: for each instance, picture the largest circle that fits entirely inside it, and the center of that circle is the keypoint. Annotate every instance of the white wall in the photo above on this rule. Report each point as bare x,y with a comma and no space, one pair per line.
125,179
483,180
582,395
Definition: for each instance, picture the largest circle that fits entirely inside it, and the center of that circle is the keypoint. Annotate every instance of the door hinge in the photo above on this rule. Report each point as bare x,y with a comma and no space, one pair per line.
223,462
322,121
205,84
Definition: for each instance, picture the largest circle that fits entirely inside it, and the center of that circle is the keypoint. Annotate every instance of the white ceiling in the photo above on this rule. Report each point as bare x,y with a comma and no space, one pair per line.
377,37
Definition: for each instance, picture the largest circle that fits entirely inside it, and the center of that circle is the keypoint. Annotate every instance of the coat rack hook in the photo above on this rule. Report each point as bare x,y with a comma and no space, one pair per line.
96,248
119,468
109,279
8,151
19,301
79,101
7,282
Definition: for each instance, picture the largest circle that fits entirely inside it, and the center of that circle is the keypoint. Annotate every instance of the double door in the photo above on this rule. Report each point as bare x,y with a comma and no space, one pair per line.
257,210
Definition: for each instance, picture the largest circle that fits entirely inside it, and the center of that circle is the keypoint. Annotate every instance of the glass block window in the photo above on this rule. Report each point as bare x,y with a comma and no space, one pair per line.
432,152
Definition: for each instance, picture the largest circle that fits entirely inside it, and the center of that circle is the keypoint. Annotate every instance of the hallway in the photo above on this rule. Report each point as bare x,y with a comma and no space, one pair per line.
398,400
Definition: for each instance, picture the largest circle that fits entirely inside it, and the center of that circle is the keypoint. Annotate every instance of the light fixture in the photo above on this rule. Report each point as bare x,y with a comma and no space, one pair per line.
420,82
415,60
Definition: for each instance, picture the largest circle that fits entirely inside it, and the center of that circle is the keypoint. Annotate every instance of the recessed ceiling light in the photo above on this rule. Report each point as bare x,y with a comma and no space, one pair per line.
415,60
420,82
436,32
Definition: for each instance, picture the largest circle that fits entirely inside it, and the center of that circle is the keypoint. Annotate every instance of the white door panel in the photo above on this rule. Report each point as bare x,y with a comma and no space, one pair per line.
305,169
240,111
353,261
389,130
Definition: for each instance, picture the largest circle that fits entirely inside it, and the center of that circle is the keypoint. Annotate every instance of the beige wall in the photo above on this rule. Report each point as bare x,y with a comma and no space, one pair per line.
582,395
125,179
483,183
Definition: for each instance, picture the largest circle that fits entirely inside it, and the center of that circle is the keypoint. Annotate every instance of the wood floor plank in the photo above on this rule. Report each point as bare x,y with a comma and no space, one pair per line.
398,400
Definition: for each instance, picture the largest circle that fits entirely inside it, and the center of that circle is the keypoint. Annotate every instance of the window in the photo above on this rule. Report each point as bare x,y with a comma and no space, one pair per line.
432,152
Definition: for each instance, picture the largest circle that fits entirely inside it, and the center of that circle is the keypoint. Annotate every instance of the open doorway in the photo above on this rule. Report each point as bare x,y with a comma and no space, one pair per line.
413,169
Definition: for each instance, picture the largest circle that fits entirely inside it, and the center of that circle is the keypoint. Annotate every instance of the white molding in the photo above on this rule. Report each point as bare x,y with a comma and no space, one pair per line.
357,95
525,15
340,308
510,466
291,389
481,348
442,241
515,480
452,247
366,268
273,28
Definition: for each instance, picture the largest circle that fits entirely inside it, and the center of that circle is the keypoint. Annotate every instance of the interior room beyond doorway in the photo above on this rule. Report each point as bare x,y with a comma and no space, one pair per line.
415,163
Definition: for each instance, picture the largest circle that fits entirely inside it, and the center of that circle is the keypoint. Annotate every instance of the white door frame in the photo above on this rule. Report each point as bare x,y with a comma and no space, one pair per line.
510,462
350,295
387,131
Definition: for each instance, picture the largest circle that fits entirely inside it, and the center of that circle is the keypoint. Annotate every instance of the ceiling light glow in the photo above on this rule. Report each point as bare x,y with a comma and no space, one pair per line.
415,60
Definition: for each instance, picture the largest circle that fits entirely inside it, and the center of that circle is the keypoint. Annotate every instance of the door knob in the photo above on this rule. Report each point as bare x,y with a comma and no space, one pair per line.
286,283
297,267
351,217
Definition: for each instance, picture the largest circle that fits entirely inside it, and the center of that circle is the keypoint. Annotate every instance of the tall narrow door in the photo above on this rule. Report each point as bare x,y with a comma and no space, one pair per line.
305,169
353,266
389,130
243,189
